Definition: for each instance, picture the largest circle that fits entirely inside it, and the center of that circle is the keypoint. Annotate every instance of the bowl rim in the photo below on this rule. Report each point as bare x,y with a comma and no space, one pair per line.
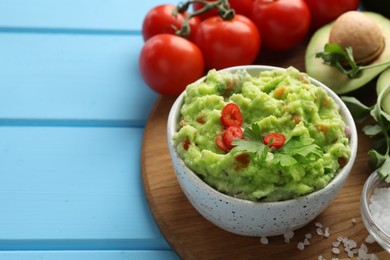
342,175
373,182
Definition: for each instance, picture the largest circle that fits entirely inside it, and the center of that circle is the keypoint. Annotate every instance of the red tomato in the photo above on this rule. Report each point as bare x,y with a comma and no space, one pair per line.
325,11
243,7
231,115
219,141
228,43
231,133
275,140
168,63
160,19
283,23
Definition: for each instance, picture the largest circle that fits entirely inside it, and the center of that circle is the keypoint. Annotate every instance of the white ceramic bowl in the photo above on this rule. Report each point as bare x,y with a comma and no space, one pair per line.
372,226
257,218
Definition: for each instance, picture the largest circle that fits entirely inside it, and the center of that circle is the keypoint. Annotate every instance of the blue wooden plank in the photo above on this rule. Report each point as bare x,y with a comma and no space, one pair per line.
86,15
73,188
82,255
90,78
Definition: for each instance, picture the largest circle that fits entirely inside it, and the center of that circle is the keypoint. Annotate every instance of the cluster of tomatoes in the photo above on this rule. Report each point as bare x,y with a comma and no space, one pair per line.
180,46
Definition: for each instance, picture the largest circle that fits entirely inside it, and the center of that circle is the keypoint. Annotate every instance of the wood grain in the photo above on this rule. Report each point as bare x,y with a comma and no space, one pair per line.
193,237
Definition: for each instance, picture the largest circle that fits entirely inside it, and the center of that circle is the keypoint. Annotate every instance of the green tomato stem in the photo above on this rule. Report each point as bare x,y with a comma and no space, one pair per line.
223,6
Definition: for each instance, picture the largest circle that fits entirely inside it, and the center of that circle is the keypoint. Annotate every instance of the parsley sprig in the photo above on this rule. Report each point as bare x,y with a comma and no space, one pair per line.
342,59
379,155
287,155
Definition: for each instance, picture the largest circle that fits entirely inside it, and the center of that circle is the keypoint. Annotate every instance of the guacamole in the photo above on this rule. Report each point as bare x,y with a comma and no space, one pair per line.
314,147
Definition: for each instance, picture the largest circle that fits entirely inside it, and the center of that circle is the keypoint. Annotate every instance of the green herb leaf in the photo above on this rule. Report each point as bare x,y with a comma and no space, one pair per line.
384,170
301,146
251,146
285,156
284,159
359,111
376,159
372,130
253,142
334,55
253,132
379,155
342,59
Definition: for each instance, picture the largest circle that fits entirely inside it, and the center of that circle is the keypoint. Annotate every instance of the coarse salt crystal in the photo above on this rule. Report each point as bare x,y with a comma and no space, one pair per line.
319,225
288,236
352,244
336,243
308,236
300,246
370,239
380,208
326,233
353,220
320,232
335,250
264,240
306,242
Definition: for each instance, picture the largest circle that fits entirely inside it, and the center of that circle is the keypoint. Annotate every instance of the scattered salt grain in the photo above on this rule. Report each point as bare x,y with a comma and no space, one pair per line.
352,244
370,239
336,243
319,225
301,246
264,240
320,257
308,236
354,221
288,236
335,250
380,208
306,242
326,232
319,232
363,252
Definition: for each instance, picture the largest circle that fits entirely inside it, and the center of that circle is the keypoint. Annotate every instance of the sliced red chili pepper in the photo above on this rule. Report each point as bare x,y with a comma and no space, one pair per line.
219,141
274,140
231,133
231,115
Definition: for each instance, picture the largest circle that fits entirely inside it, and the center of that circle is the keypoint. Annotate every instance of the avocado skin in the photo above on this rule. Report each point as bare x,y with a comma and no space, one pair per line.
383,81
332,77
378,6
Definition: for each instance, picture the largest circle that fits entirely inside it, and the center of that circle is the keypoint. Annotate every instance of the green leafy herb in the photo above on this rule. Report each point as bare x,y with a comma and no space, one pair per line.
336,56
379,157
253,142
285,156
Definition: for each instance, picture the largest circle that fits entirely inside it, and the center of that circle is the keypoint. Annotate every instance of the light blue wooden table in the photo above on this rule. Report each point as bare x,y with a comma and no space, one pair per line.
73,108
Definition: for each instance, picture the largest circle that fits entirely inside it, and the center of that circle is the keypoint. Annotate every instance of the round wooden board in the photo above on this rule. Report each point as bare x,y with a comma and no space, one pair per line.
193,237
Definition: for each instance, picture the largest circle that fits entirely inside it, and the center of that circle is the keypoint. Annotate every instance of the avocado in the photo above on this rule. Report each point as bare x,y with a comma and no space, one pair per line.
383,81
332,77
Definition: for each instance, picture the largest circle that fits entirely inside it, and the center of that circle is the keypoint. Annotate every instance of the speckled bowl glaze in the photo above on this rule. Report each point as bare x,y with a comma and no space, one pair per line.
256,218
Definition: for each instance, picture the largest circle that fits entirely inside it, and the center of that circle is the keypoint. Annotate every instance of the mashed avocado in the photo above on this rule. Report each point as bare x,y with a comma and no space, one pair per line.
283,102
